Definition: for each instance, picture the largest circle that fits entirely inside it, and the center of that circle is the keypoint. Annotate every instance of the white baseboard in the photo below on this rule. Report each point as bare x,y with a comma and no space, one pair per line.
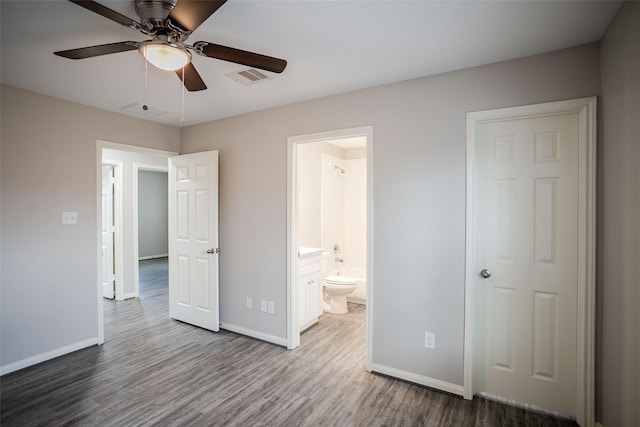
129,296
418,379
254,334
34,360
142,258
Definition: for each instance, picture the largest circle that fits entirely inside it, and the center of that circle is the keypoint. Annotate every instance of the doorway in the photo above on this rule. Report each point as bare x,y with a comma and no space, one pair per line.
299,234
529,285
125,157
150,215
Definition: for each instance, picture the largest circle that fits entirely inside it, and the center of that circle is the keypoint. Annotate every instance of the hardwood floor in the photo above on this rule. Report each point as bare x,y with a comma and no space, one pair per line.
156,371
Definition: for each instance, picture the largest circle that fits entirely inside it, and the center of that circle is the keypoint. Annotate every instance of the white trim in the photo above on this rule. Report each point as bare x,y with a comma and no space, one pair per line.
144,258
418,379
43,357
254,334
137,167
99,293
134,148
293,329
586,108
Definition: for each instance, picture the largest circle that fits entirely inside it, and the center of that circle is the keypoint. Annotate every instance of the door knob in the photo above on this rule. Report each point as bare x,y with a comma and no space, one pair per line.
485,274
212,251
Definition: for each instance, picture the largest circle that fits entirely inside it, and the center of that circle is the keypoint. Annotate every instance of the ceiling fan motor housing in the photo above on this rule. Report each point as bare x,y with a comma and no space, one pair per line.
153,13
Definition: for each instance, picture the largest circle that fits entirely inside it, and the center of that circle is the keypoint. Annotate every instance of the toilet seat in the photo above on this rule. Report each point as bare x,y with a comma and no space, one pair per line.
340,280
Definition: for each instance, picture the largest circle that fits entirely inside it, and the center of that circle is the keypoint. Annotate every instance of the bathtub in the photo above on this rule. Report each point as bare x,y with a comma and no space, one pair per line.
359,296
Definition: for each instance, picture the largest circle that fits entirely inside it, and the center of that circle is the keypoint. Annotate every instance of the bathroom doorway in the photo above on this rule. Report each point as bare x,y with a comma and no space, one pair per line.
329,202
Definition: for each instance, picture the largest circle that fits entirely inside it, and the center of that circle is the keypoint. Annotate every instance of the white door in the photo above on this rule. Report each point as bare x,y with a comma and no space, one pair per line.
527,241
108,273
193,239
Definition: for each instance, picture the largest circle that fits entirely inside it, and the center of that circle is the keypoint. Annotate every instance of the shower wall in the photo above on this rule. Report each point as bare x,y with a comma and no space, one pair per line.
309,190
331,204
332,217
355,215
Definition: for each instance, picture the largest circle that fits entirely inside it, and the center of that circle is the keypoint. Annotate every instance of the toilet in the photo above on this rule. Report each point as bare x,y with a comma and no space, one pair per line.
335,288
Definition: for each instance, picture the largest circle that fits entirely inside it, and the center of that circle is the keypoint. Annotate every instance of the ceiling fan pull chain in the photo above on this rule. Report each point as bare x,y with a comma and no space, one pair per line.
182,120
145,107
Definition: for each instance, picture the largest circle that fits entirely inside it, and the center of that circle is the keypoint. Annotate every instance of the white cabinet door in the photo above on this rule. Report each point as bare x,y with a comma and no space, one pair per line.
193,239
302,302
315,295
309,285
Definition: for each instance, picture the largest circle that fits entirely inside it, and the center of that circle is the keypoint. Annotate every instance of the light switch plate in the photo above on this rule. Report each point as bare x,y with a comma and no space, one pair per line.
430,340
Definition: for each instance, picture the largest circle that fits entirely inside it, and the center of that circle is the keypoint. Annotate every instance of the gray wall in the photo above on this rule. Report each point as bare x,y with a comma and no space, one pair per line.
153,210
618,386
418,167
48,296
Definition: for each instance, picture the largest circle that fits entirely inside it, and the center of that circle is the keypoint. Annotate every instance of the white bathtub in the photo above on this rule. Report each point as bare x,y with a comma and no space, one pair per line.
359,296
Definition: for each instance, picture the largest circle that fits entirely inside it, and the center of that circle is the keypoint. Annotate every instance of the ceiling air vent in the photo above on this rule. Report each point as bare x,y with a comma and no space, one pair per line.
248,77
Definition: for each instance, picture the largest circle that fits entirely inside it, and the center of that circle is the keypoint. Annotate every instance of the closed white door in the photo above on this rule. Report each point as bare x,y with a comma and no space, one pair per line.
527,251
193,239
106,229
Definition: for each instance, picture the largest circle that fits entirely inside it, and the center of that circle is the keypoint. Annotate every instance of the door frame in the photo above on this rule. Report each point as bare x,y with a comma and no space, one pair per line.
100,145
137,167
117,228
586,109
293,332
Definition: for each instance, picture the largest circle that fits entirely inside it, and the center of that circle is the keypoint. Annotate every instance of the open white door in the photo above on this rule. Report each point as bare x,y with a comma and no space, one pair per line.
108,273
193,239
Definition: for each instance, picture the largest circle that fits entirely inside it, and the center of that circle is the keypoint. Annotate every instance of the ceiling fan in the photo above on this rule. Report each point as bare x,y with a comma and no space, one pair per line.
169,23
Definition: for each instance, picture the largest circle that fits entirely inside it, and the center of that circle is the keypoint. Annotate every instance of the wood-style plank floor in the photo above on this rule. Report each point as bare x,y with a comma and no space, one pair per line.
156,371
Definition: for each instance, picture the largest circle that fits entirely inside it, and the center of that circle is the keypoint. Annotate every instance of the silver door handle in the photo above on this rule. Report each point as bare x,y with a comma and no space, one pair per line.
485,274
213,251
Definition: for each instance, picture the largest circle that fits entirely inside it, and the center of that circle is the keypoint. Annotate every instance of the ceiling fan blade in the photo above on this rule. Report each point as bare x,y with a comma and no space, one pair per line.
189,14
103,49
243,57
108,13
192,80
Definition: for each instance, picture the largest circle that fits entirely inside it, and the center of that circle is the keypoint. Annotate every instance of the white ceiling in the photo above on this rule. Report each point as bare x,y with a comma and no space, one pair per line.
331,47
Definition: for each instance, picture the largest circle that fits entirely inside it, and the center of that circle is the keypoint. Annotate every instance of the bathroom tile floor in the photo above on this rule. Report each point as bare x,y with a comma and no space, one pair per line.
156,371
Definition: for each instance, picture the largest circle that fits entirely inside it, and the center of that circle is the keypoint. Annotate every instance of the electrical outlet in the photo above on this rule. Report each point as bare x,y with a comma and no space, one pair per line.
249,302
271,308
69,218
263,305
430,340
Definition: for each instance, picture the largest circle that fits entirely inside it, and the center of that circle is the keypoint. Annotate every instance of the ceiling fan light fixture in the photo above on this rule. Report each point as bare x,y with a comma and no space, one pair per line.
165,56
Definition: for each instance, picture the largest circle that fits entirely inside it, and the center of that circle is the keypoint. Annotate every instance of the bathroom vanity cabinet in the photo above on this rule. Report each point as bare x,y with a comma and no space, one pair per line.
309,286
